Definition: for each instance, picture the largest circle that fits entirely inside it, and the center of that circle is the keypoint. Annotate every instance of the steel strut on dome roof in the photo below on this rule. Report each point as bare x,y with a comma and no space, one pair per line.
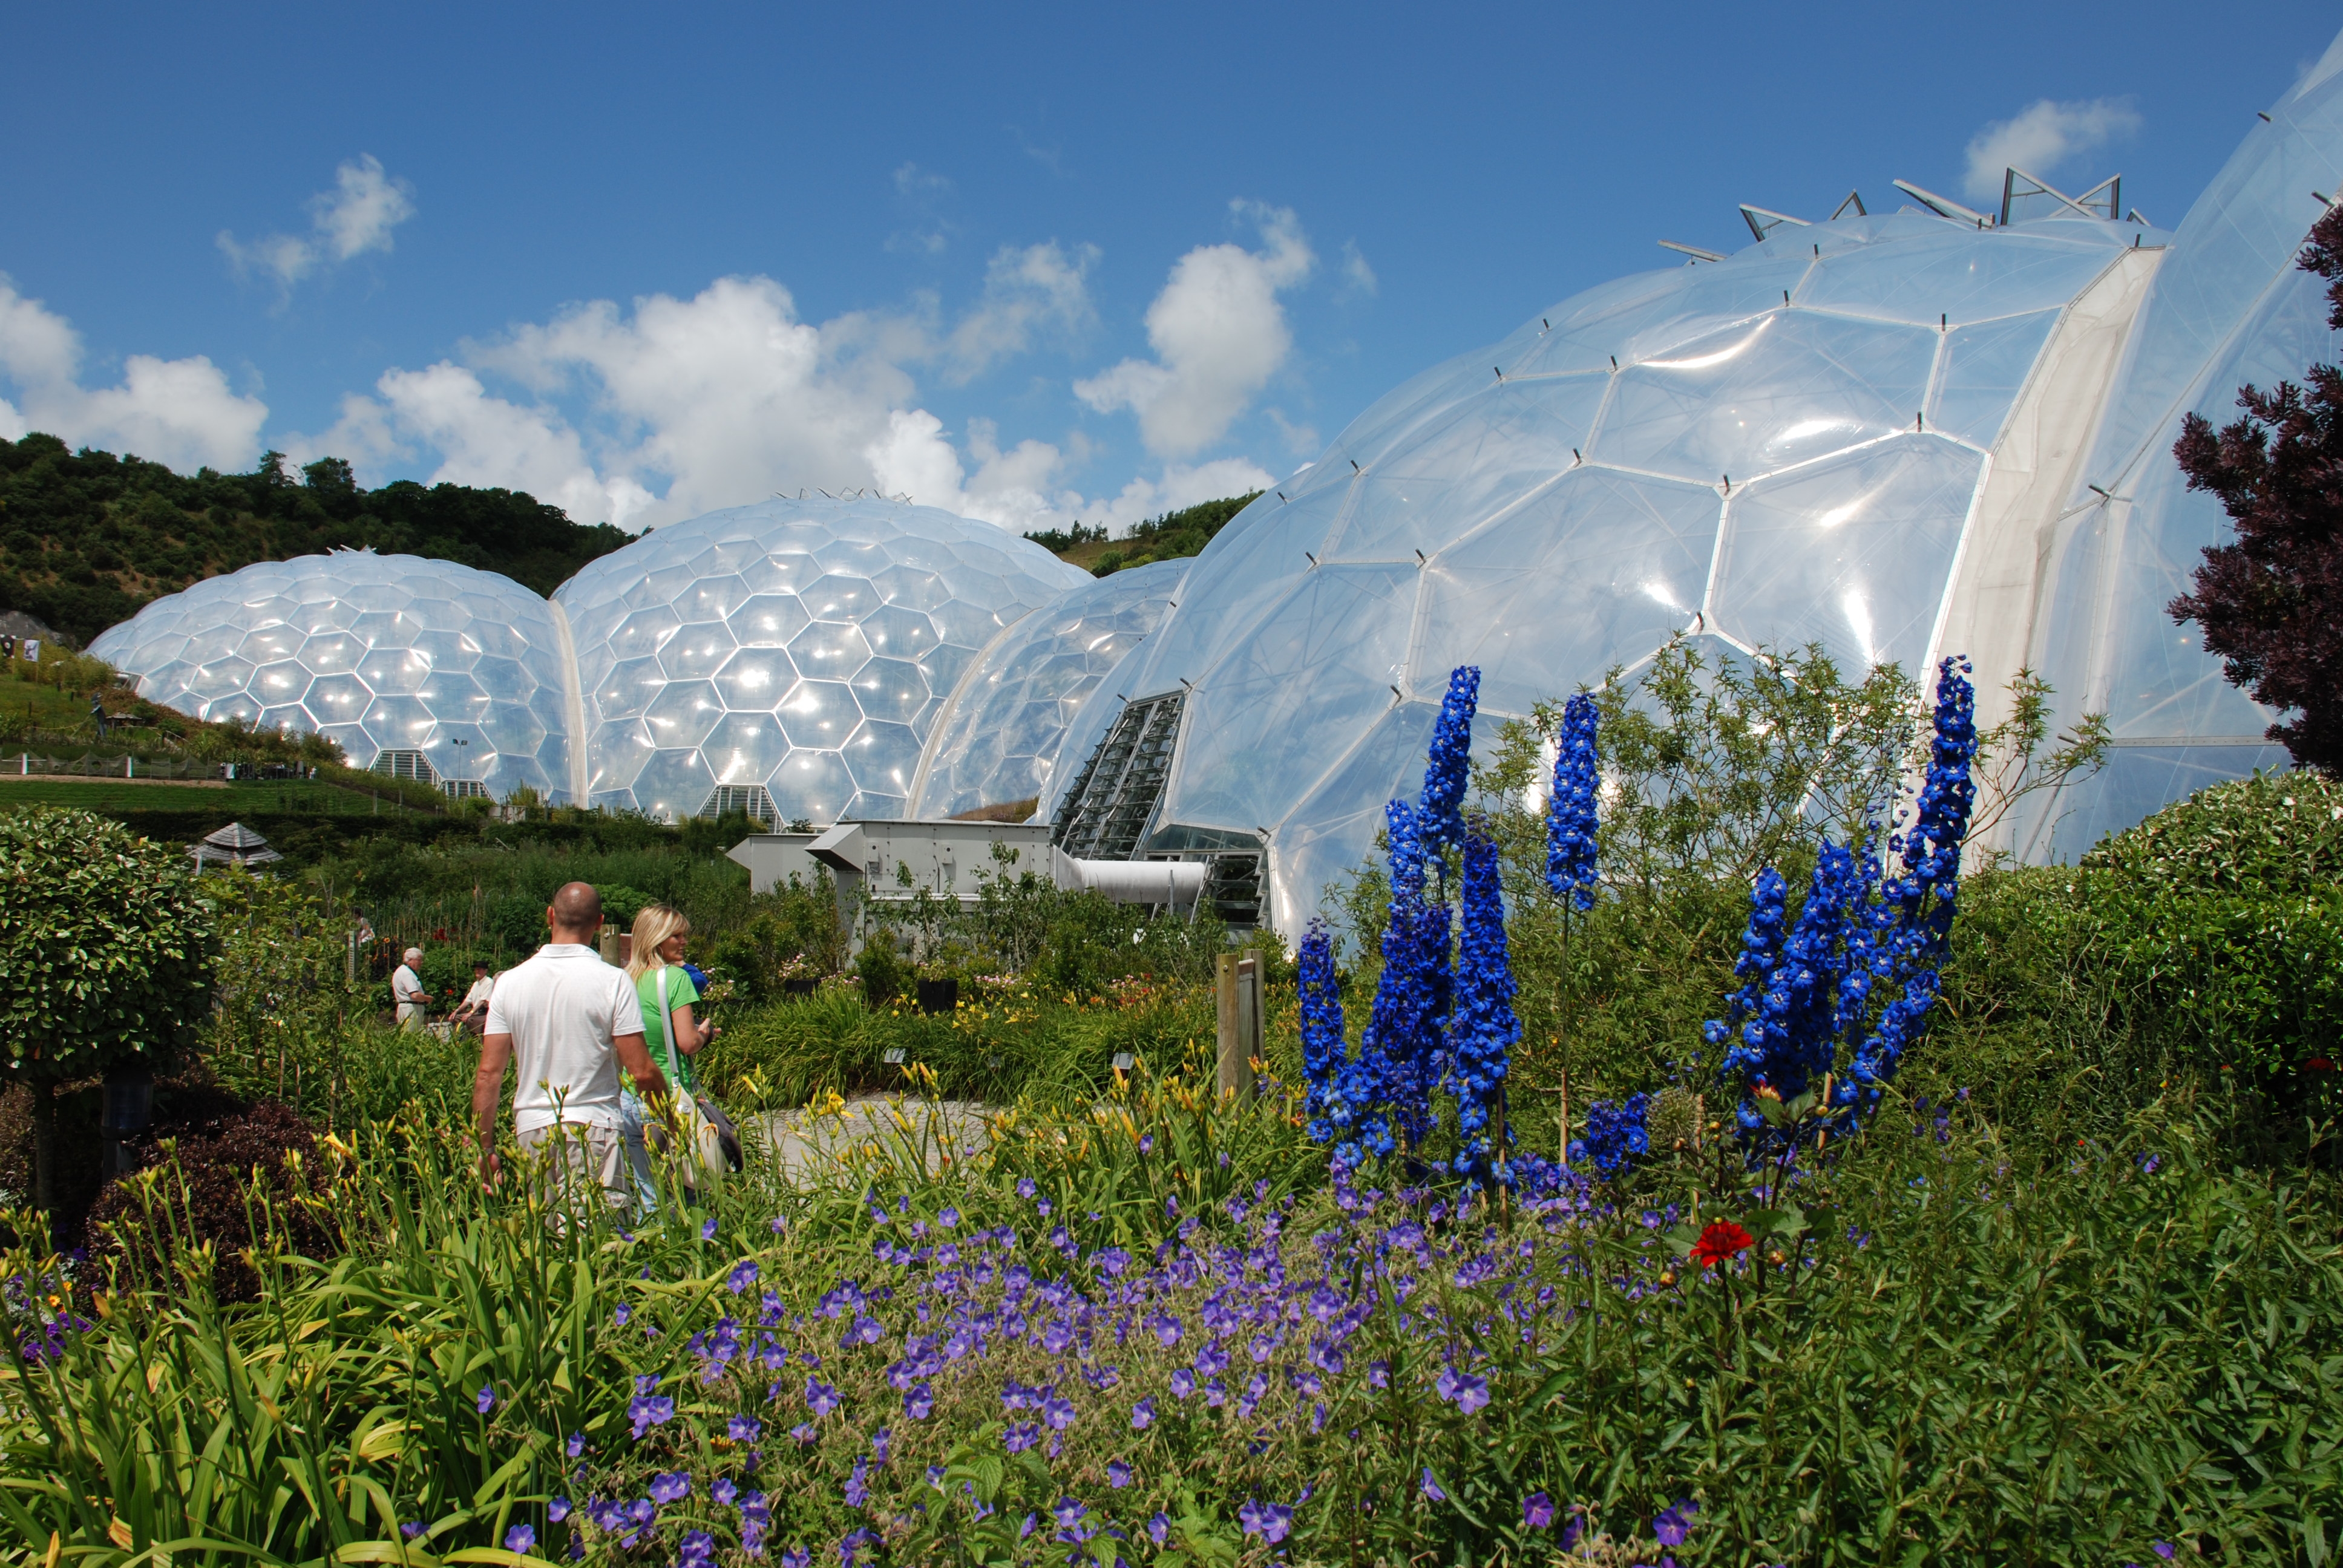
1692,251
2104,199
1854,199
1762,221
1942,206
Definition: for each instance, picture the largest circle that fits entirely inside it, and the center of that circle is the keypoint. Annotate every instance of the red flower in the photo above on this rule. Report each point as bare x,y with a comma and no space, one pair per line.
2318,1064
1721,1243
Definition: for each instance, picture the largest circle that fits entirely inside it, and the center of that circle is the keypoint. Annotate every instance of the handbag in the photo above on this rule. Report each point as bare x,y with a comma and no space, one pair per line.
697,1118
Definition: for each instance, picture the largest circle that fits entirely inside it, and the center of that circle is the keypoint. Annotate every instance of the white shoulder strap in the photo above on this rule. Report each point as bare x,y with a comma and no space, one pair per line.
667,1026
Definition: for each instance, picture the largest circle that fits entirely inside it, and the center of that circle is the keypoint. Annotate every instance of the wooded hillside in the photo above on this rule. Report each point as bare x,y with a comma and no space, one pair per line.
86,537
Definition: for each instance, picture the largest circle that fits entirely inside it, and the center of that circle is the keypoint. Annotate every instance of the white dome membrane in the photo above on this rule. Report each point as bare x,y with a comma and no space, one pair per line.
1000,740
1849,434
803,647
380,653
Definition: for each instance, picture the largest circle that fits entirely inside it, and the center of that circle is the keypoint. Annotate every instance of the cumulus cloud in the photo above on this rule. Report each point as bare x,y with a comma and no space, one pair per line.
1041,288
2044,136
354,218
1219,334
175,411
681,406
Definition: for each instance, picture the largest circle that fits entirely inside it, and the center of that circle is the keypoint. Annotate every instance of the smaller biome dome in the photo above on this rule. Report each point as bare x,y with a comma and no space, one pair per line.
801,648
999,742
437,670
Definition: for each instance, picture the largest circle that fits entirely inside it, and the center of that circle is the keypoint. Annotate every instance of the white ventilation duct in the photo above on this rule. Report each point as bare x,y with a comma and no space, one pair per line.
1171,882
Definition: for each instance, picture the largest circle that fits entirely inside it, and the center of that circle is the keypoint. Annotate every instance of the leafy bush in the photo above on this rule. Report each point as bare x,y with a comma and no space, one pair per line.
1014,1044
205,1202
2275,832
107,943
791,932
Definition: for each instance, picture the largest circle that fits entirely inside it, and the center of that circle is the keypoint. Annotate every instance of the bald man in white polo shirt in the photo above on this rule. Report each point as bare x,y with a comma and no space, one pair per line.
571,1021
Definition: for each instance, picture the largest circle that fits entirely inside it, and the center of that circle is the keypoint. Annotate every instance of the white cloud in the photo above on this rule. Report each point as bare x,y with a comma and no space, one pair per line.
1358,277
355,218
1219,334
1013,487
1040,288
2044,136
175,411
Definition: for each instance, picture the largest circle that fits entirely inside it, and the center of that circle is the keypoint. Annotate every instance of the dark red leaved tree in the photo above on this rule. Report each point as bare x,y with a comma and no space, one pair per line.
2271,604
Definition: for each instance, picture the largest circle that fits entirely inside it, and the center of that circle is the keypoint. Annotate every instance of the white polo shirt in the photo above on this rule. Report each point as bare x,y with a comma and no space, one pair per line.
565,1009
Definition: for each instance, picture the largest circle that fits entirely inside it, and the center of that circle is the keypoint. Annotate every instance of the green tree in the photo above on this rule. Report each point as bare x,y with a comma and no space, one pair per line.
108,944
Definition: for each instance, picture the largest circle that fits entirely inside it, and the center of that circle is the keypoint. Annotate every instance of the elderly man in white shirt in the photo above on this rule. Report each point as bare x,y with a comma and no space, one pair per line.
571,1021
414,1003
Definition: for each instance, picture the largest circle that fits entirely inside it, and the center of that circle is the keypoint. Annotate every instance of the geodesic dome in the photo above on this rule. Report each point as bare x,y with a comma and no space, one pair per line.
461,669
798,647
1896,436
999,740
2228,307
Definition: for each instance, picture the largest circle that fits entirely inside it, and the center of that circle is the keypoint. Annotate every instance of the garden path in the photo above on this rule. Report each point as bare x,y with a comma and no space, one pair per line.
814,1141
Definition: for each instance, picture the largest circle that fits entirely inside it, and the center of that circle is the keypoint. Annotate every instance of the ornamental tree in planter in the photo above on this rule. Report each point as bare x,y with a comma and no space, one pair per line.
109,946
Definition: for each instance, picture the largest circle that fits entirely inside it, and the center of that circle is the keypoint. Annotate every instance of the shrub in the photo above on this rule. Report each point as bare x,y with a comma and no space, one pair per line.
213,1198
108,944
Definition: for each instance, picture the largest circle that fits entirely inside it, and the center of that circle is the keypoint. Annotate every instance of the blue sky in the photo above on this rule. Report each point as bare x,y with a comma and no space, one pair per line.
1032,263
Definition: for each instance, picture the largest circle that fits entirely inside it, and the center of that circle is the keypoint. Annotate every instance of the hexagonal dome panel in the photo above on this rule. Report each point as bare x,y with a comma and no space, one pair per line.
375,651
1826,438
842,624
998,740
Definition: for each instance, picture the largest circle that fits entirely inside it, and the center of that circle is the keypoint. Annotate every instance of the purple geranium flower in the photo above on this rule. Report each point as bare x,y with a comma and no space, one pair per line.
1159,1528
673,1486
1269,1521
919,1401
1675,1523
744,1429
557,1510
519,1538
1118,1474
1431,1487
486,1399
1142,1415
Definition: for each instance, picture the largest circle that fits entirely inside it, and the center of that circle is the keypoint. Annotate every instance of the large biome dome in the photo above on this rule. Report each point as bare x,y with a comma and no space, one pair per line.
1893,436
792,653
1000,740
436,670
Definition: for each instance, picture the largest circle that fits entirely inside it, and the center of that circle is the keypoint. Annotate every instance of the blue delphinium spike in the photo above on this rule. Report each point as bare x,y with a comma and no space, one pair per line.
1323,1049
1571,869
1441,810
1484,1029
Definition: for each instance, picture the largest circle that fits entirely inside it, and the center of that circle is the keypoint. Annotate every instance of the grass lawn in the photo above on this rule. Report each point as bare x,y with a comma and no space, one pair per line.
113,795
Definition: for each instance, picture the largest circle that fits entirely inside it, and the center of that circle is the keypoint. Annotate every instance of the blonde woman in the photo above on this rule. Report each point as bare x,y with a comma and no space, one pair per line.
660,934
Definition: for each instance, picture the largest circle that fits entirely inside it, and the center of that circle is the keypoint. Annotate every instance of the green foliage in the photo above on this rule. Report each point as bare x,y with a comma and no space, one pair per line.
1968,1352
1020,1043
1170,536
2275,832
791,933
108,942
86,537
879,968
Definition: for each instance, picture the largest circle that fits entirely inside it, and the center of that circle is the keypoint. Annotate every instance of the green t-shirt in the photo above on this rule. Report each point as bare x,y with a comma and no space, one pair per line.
680,993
